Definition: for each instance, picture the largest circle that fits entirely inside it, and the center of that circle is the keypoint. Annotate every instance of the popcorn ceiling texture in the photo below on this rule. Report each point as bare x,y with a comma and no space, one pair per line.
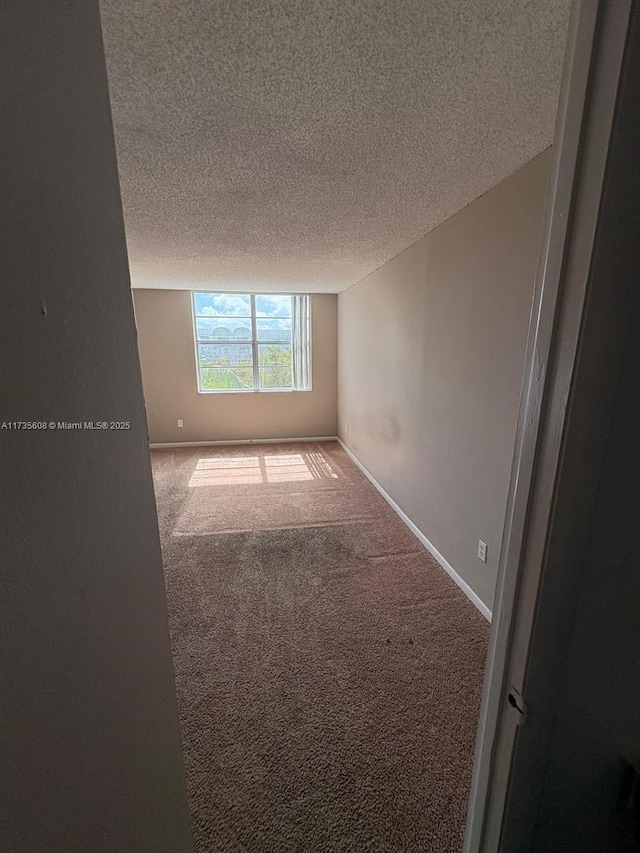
300,144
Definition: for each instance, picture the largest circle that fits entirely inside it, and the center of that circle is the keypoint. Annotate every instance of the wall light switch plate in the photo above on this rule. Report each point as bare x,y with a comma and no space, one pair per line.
482,550
180,423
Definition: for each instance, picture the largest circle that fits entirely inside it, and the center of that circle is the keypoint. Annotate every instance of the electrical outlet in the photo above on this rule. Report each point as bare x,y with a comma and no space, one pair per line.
180,423
482,550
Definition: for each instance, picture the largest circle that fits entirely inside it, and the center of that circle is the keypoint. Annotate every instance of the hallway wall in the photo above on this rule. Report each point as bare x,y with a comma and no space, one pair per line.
90,748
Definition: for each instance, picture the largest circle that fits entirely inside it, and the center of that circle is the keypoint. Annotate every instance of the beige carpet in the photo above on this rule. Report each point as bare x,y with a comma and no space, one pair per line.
328,670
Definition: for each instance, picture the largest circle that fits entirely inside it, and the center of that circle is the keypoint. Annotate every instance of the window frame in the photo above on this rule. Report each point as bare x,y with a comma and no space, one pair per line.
253,343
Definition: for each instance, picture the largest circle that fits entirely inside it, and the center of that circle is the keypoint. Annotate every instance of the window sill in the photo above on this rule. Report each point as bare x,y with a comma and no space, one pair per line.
258,391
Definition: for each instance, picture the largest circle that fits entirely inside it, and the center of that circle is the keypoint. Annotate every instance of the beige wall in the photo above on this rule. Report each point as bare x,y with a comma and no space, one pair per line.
431,350
167,355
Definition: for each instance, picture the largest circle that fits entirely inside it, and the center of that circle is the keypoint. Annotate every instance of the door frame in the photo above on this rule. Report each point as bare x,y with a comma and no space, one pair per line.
563,307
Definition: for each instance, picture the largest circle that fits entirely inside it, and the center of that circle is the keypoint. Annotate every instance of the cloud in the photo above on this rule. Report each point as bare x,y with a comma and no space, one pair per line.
237,304
273,306
223,304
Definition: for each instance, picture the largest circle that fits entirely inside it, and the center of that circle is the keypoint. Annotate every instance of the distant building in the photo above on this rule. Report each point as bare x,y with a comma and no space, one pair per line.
232,353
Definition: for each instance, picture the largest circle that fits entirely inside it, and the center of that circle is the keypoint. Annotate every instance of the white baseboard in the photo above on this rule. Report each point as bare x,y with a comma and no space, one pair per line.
464,586
171,444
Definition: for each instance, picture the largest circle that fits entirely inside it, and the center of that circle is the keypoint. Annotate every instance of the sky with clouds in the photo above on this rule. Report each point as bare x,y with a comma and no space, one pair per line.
273,312
239,305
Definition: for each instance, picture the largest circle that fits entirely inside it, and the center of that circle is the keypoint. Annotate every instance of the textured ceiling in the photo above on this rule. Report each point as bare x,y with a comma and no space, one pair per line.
300,144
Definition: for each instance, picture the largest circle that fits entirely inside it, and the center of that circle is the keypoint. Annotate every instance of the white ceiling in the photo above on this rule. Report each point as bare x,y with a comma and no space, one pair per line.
299,144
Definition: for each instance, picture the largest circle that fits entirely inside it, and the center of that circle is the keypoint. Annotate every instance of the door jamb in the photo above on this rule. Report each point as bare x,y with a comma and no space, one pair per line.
593,59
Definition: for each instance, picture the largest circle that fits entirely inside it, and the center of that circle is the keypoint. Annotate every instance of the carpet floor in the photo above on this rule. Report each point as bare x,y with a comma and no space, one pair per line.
329,672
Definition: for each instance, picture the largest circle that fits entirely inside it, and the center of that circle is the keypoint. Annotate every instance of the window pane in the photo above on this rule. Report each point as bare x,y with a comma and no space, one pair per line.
222,304
273,306
273,329
226,379
225,367
274,366
223,328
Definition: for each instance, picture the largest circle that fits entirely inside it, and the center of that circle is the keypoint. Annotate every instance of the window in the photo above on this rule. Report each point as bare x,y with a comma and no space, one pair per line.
247,342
